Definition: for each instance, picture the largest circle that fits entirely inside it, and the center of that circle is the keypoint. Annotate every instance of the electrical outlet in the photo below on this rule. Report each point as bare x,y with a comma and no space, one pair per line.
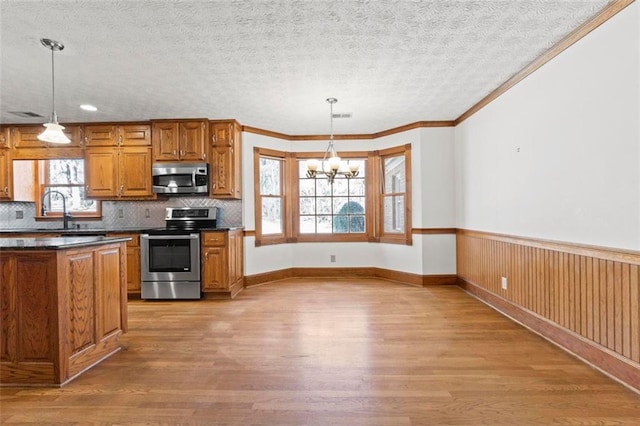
19,214
146,213
504,283
120,213
332,258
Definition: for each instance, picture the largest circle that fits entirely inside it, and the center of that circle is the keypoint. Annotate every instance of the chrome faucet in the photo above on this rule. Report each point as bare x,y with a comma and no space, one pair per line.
65,215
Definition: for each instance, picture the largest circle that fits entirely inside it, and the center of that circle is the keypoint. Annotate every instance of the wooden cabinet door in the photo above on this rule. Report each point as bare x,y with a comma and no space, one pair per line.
193,143
164,138
135,135
222,133
135,179
27,146
110,290
133,260
75,133
6,175
222,176
82,333
101,171
214,268
235,256
4,137
133,269
226,169
26,137
101,135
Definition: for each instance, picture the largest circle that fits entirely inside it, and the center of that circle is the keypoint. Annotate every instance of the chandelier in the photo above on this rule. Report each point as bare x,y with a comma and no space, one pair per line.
53,131
331,163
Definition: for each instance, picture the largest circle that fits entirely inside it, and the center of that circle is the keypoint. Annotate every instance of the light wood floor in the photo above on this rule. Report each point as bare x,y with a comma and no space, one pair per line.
319,352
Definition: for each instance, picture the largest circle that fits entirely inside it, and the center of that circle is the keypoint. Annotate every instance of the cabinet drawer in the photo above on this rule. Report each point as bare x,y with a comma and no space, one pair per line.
214,238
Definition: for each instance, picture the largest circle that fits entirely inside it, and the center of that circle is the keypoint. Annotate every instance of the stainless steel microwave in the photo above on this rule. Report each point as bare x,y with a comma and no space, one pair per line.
181,178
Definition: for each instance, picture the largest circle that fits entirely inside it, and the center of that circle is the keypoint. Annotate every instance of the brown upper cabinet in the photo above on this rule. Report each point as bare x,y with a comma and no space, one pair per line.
117,135
26,145
5,165
118,161
180,140
16,184
226,157
4,137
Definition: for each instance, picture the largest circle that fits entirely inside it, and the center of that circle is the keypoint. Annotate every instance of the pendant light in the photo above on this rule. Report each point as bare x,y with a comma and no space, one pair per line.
53,131
330,165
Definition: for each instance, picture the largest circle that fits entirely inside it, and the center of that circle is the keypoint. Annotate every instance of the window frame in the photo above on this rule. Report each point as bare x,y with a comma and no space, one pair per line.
42,185
295,201
374,197
404,236
261,239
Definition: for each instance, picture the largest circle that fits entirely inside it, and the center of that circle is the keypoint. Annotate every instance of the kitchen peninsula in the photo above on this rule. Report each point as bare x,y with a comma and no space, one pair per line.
63,304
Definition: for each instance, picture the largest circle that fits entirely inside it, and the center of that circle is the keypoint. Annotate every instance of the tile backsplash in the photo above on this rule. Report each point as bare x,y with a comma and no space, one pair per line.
144,214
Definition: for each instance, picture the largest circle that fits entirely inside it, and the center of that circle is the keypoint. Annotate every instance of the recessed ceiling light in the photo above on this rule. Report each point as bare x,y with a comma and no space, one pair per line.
88,107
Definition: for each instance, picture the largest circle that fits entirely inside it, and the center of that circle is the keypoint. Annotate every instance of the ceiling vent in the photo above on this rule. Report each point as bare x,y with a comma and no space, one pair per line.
26,114
342,115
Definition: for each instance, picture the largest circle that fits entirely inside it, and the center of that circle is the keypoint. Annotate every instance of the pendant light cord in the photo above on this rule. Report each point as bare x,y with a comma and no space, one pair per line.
54,119
331,119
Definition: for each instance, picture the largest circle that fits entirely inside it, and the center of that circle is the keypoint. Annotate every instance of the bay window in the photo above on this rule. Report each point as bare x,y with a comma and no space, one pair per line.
373,206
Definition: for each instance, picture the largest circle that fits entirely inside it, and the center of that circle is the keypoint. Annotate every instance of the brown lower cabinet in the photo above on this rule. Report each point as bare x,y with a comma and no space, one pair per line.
63,311
133,262
222,263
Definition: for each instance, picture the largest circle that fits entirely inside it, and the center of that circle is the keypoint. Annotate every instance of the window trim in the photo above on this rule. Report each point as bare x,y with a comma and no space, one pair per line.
295,201
404,237
281,238
41,187
374,225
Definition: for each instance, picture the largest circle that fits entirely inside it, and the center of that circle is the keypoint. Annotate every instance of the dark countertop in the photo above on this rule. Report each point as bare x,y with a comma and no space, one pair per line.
96,231
56,243
70,231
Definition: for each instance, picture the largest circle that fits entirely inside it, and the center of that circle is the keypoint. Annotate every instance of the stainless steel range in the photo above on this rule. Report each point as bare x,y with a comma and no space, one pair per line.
170,256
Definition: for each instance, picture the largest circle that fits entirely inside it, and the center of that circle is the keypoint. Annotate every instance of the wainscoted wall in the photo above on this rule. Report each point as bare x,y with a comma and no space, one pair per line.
584,298
134,213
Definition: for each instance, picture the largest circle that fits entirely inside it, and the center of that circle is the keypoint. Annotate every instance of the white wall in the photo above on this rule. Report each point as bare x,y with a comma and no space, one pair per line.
432,206
557,156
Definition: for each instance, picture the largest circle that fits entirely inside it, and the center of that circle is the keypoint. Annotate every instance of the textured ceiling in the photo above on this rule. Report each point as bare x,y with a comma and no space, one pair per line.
271,64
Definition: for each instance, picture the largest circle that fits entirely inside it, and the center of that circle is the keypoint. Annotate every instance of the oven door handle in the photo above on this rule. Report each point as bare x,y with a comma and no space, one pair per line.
169,237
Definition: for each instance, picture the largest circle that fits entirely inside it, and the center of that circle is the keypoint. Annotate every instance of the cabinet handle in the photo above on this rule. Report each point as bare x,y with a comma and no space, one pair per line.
6,189
206,255
120,140
174,152
86,188
204,156
214,186
121,191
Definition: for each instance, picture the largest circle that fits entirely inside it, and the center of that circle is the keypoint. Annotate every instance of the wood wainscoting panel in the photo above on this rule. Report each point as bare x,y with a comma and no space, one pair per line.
584,298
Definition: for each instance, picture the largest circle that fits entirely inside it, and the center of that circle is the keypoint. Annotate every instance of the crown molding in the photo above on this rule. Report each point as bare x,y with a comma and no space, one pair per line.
601,17
361,136
611,9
